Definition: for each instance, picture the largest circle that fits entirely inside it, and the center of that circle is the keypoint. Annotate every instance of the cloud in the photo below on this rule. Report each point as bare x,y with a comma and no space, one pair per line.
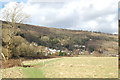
119,10
93,15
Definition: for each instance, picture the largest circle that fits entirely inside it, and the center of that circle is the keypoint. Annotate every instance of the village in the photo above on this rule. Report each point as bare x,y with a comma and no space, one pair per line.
82,50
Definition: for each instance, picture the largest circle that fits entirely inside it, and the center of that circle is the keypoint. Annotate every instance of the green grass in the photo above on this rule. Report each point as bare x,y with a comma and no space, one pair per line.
31,72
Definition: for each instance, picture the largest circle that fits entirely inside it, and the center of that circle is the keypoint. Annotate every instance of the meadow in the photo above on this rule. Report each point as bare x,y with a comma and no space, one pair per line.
66,67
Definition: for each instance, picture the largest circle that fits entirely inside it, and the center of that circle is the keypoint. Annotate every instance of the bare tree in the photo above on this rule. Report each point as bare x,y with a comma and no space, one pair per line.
14,16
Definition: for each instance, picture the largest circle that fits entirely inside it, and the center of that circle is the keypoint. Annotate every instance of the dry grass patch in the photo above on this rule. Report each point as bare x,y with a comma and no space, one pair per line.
13,72
83,67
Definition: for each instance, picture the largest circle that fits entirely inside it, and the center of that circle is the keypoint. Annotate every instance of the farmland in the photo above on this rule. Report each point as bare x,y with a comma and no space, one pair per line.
66,67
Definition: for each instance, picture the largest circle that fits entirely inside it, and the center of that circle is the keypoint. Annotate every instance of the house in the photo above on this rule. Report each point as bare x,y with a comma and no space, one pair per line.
51,51
76,45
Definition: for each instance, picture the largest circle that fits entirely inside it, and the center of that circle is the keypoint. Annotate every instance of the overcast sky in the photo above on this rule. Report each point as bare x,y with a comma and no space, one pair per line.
91,15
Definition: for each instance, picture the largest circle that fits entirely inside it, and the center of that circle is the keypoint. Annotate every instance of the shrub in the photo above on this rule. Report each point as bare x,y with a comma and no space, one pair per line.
39,55
55,54
91,48
17,40
25,50
40,51
62,53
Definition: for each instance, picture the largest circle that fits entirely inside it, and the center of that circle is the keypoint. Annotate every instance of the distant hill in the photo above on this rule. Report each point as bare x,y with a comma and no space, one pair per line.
72,40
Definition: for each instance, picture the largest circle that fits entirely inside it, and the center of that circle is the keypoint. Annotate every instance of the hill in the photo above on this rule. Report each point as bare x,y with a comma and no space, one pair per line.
69,41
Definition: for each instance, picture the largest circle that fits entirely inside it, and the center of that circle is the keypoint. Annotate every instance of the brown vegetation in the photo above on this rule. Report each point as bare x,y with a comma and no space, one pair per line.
32,41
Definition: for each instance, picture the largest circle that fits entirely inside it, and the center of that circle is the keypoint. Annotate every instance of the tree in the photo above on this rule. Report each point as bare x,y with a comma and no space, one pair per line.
14,16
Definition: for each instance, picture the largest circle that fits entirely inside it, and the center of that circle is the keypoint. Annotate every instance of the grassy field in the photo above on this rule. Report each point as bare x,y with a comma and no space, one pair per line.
67,67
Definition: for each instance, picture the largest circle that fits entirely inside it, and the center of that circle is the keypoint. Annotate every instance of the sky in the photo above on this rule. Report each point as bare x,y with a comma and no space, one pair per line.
90,15
119,10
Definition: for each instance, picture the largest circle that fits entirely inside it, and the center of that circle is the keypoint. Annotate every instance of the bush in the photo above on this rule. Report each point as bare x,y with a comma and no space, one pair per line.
17,40
25,50
91,48
40,54
55,54
62,53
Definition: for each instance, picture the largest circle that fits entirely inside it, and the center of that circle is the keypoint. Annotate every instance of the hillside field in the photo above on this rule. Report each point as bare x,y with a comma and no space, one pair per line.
66,67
